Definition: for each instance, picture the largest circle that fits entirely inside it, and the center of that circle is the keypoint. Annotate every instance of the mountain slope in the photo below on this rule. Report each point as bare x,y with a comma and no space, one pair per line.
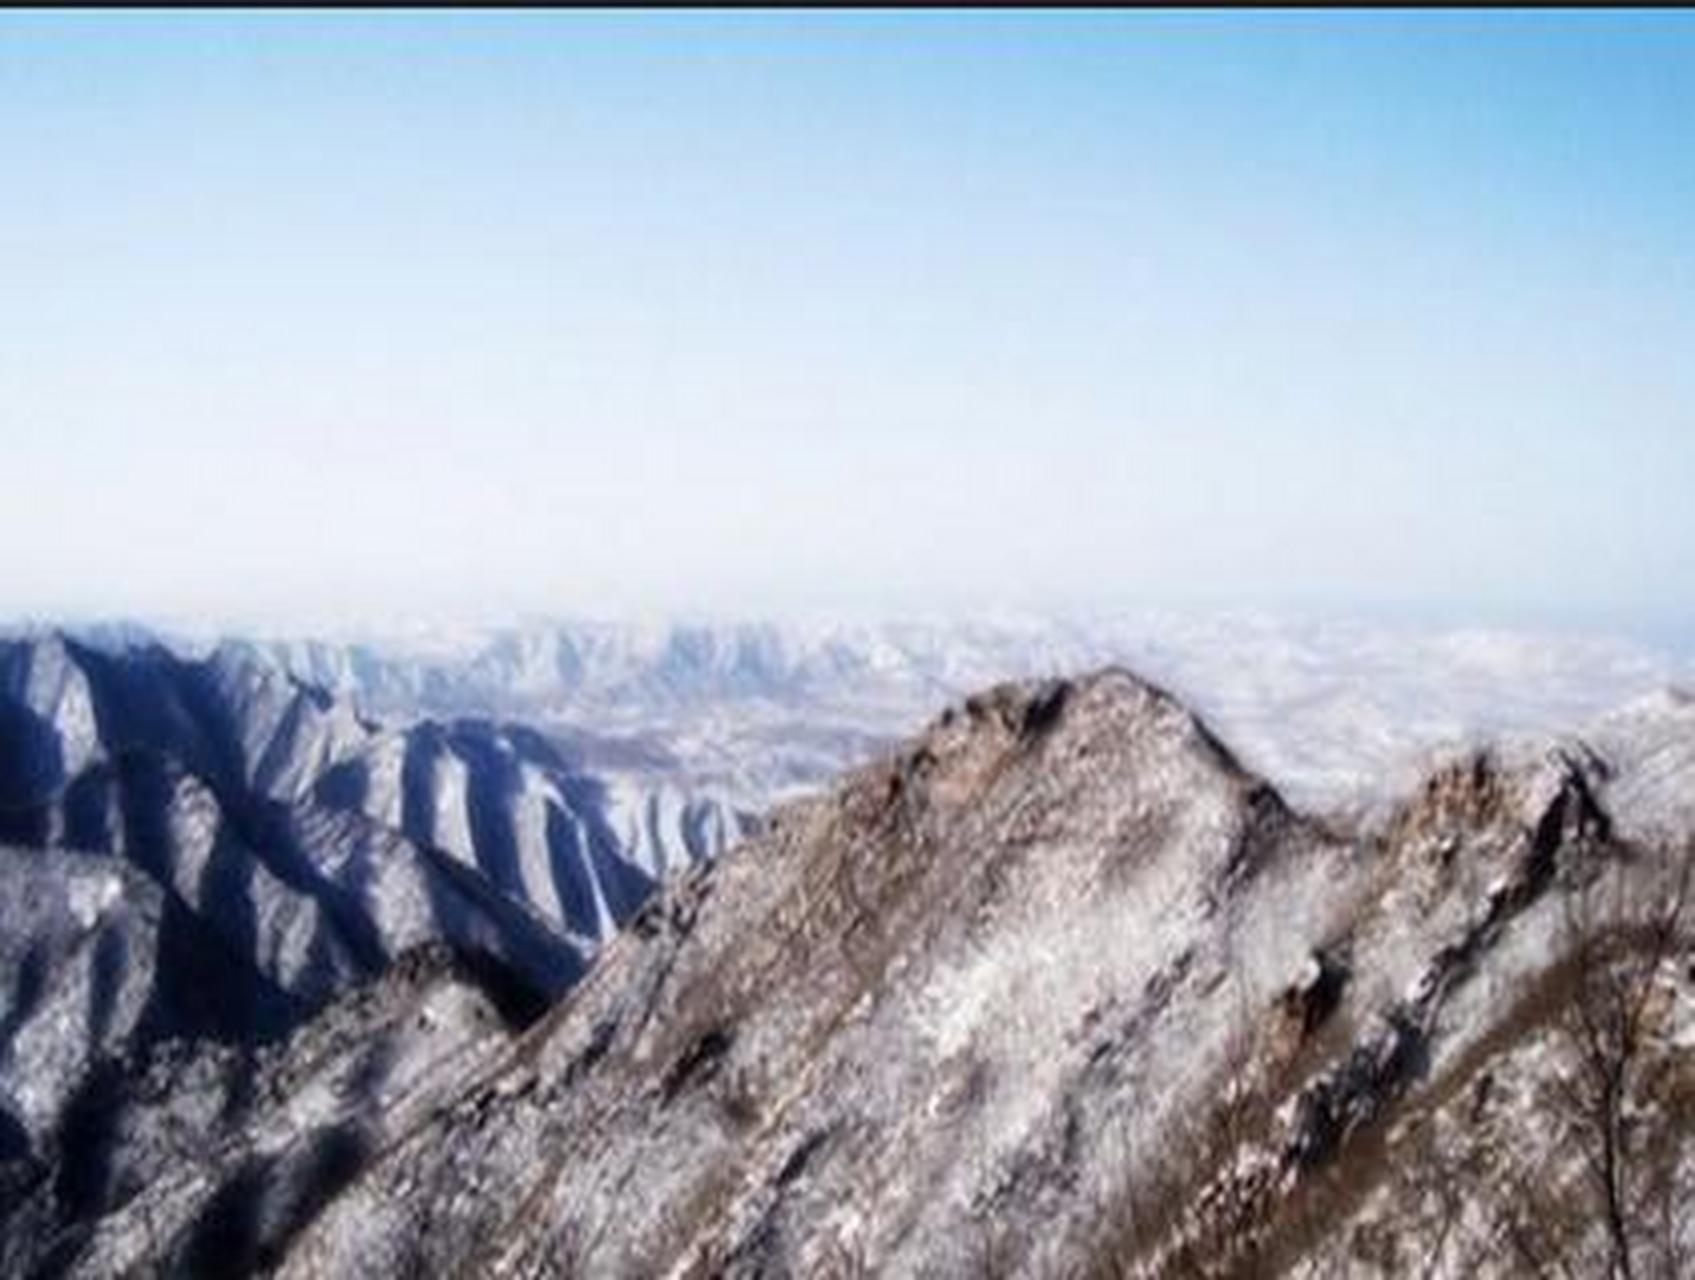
212,851
207,778
1059,988
191,1157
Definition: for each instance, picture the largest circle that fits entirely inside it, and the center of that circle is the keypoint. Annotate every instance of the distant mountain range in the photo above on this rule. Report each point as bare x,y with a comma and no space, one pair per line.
1336,712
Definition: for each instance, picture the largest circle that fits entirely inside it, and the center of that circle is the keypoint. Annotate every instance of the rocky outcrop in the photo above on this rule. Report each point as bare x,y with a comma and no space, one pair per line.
1057,987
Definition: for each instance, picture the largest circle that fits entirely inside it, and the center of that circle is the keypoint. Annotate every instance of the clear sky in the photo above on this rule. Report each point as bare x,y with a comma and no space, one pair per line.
329,316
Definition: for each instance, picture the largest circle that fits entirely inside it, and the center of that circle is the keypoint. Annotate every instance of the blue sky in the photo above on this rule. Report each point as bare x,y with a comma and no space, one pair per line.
322,316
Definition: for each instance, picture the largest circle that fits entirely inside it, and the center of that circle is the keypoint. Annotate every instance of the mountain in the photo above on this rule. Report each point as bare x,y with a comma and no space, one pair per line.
87,732
213,850
1058,987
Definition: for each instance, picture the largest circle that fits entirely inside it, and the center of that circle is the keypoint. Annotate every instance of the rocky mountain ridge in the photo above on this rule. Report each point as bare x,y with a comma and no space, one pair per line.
1057,988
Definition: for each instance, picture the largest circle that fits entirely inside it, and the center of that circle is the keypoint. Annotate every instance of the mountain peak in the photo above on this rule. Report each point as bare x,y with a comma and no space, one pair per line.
1057,986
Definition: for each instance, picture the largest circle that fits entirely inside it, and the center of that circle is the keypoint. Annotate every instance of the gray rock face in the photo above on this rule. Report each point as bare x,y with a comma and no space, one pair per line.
1059,989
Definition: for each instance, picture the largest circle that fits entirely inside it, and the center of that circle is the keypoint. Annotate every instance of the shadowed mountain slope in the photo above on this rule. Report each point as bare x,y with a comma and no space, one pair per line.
213,850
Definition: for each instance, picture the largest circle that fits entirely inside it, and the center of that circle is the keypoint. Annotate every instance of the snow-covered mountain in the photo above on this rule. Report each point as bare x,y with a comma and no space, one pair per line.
1057,988
529,810
1061,986
215,849
1061,989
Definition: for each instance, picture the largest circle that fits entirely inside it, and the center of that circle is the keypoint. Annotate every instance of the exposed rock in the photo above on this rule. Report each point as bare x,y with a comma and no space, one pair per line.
982,998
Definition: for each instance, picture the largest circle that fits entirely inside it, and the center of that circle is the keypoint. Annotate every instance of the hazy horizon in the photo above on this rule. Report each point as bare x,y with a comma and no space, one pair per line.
341,318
